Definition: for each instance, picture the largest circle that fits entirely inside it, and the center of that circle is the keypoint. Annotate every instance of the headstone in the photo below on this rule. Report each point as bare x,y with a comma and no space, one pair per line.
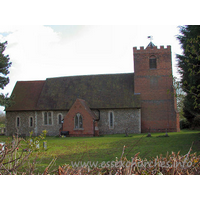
45,145
126,132
13,143
149,135
2,146
30,143
166,134
37,145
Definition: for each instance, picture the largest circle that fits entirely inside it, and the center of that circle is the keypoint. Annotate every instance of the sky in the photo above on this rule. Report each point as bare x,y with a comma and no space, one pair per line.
38,52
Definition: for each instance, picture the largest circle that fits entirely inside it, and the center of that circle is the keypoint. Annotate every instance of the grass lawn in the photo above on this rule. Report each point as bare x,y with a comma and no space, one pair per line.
108,147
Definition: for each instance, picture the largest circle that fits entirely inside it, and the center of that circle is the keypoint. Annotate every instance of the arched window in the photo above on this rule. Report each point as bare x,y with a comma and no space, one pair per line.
30,121
111,119
60,118
78,121
152,62
17,121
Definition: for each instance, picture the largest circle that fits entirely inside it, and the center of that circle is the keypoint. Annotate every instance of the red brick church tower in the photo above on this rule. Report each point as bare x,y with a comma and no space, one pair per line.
153,80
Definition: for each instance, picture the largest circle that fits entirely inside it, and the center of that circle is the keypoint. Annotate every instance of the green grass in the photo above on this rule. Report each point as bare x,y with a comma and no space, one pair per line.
108,147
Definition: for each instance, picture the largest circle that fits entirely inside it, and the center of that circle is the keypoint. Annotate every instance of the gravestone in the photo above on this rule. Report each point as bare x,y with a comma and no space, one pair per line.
2,146
45,145
37,144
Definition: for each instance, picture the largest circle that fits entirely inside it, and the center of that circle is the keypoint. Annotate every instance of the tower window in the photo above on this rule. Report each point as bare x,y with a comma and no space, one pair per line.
152,62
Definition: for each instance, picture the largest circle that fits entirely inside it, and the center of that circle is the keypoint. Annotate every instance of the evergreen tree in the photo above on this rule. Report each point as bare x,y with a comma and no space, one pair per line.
4,71
189,68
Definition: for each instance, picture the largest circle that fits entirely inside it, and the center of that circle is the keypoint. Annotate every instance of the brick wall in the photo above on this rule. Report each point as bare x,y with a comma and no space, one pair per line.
88,125
155,86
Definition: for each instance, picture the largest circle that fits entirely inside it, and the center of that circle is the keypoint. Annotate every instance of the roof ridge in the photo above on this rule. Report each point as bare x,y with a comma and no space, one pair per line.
85,75
32,81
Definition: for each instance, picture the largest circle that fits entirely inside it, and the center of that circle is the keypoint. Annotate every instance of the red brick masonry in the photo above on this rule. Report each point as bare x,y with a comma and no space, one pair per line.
90,127
159,110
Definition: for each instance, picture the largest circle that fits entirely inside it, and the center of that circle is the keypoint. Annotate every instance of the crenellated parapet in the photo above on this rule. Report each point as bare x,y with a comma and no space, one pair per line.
152,49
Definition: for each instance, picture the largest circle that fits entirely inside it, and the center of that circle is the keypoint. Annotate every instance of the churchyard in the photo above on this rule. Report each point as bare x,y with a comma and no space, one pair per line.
104,149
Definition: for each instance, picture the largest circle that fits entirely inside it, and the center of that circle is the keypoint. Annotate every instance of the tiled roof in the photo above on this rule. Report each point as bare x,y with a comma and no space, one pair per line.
26,95
99,91
151,45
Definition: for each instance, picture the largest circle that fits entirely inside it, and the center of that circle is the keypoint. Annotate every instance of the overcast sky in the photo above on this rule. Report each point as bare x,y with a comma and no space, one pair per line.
40,52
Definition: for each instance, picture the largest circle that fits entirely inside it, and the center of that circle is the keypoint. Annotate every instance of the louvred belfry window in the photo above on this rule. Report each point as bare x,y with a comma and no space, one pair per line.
152,62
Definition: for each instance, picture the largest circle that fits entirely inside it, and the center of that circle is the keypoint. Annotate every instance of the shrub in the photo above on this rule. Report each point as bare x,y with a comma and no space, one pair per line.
173,164
184,124
196,122
15,155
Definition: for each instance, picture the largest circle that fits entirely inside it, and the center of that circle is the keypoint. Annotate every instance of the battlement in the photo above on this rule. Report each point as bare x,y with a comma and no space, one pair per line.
149,49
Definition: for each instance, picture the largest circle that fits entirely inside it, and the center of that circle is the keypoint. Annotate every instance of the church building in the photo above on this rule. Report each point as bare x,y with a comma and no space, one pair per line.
91,105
